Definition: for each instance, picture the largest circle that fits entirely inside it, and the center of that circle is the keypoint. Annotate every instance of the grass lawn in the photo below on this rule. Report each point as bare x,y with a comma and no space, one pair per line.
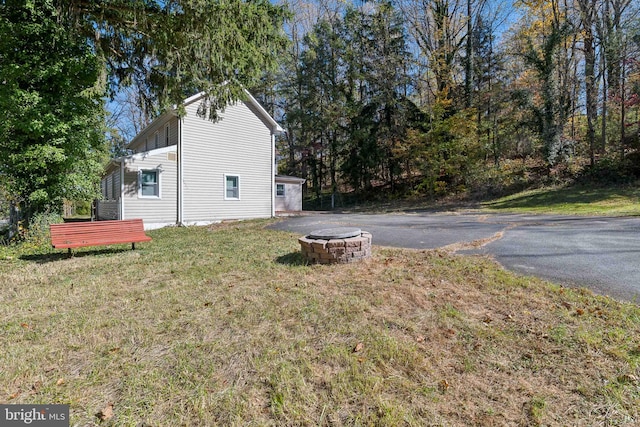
572,201
225,325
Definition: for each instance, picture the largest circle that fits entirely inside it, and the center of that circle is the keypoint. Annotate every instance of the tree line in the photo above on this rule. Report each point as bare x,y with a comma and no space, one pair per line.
430,97
441,96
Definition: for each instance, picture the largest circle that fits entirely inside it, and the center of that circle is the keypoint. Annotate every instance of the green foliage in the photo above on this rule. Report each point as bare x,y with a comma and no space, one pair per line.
51,136
83,208
552,111
352,112
37,235
612,171
171,50
451,152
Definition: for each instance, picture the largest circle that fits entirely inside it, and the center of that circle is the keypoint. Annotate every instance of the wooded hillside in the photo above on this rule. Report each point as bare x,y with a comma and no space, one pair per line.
435,97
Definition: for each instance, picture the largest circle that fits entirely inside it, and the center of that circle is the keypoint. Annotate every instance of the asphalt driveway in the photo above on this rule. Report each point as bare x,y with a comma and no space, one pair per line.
600,253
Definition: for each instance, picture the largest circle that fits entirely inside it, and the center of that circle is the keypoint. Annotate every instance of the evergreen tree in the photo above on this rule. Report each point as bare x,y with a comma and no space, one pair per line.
51,134
58,59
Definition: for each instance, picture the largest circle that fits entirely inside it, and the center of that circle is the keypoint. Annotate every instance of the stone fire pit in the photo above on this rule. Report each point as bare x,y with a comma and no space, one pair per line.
336,246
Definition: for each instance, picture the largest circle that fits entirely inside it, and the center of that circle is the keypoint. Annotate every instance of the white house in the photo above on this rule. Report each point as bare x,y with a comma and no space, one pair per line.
190,171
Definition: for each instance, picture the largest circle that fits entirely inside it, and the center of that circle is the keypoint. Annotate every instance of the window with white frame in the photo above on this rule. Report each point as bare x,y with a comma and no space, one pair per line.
166,135
231,187
280,190
149,183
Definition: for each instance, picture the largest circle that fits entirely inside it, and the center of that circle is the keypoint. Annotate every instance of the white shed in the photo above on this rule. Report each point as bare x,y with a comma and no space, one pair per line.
288,193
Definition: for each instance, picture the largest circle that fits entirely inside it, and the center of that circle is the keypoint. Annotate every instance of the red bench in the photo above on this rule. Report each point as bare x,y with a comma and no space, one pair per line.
97,233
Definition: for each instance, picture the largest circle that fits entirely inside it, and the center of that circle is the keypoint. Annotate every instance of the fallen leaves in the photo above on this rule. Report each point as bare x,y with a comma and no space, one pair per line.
358,348
106,413
35,388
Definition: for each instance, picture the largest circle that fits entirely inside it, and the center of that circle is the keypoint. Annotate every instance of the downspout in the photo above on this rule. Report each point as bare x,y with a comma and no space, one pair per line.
122,163
273,174
180,176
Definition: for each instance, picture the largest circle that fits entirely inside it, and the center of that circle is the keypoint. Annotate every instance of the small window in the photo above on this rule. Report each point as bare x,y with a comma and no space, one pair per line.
279,190
232,187
149,183
166,135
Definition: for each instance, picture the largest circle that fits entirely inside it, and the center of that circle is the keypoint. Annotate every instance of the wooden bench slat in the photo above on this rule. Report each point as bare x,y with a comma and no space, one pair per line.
79,234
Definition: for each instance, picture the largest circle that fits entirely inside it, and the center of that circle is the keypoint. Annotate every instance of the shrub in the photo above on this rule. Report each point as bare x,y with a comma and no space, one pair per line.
38,232
609,171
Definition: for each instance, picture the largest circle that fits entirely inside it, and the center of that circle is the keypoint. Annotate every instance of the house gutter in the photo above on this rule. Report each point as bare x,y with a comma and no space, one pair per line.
180,219
273,174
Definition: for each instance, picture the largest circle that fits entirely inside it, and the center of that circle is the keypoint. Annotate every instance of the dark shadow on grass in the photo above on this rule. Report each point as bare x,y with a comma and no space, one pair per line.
57,256
293,258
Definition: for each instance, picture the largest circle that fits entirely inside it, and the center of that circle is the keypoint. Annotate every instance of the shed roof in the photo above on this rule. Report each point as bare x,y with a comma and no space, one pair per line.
290,179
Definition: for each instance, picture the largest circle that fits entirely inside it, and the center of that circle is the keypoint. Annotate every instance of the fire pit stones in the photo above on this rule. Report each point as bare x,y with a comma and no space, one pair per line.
336,245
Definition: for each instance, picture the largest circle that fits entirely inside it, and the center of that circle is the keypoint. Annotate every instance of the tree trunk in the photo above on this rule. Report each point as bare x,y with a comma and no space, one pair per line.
587,8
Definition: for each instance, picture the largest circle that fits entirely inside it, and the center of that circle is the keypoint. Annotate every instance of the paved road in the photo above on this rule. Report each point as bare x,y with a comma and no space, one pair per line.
601,253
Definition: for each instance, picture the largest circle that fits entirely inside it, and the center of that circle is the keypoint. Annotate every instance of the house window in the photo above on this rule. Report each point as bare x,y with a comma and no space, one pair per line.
232,187
166,135
149,183
279,190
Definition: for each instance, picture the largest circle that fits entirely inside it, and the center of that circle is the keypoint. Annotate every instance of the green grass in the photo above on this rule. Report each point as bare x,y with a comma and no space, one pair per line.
226,325
572,201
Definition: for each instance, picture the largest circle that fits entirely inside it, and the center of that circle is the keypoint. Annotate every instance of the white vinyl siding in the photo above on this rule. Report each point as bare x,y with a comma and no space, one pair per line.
110,185
154,136
152,209
237,145
288,194
115,187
